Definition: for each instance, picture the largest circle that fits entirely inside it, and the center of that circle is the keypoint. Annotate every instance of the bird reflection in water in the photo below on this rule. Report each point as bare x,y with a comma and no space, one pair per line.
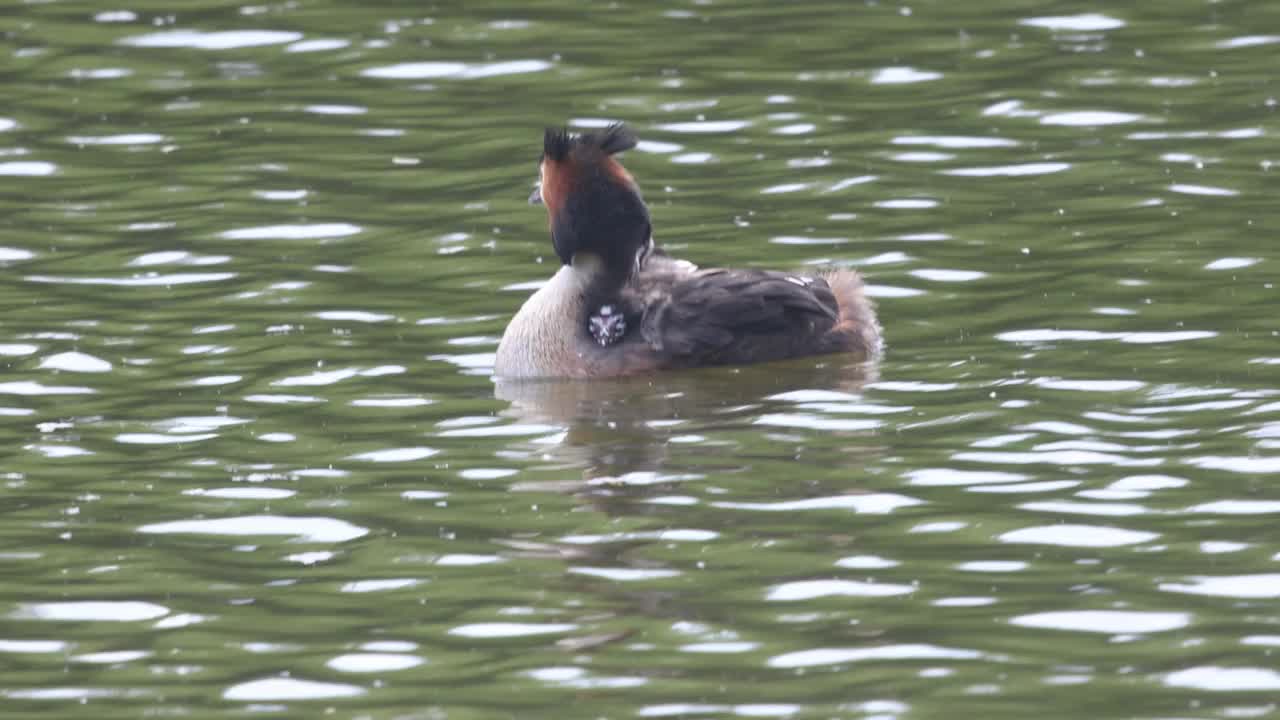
617,450
618,432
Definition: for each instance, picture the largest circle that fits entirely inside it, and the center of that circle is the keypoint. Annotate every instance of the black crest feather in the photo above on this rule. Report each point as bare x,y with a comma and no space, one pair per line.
616,138
557,143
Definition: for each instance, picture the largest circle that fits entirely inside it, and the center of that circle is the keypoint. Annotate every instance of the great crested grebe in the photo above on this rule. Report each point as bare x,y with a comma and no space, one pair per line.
618,306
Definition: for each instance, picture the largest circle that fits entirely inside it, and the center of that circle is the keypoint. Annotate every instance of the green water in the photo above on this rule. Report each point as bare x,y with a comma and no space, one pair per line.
255,260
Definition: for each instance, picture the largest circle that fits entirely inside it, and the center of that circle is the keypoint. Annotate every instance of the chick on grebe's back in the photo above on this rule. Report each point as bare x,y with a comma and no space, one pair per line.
618,306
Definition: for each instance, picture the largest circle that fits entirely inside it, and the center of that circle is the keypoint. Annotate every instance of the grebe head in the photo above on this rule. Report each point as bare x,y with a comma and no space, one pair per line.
593,204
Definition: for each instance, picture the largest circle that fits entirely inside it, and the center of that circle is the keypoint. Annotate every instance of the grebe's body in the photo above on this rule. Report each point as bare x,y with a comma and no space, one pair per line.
618,307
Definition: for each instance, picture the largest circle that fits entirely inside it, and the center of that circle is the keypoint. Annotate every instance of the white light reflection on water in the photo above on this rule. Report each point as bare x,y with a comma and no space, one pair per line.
362,316
1065,458
1225,679
1067,535
373,662
391,402
317,45
1115,622
27,168
111,657
1089,118
839,656
121,139
1245,41
576,677
467,560
368,586
279,399
90,611
79,694
200,40
1237,507
816,422
162,439
902,76
146,280
1084,22
287,688
1245,465
666,535
316,231
866,562
1044,168
1254,587
811,589
17,349
993,566
391,455
454,70
873,503
691,709
11,254
1104,509
303,529
624,574
719,647
510,630
945,275
33,646
907,204
329,377
705,126
1232,263
241,493
1048,335
954,141
1188,189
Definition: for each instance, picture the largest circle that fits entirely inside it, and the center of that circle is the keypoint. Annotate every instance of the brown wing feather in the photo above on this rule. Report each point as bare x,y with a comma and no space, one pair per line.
740,316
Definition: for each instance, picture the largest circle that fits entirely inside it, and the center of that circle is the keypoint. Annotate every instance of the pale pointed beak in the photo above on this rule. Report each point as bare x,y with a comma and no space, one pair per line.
536,197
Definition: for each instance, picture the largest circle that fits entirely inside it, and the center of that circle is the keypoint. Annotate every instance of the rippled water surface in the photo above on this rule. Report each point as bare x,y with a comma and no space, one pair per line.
256,259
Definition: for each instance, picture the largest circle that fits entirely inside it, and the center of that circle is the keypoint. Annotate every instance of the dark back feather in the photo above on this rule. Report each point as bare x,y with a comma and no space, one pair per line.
739,316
